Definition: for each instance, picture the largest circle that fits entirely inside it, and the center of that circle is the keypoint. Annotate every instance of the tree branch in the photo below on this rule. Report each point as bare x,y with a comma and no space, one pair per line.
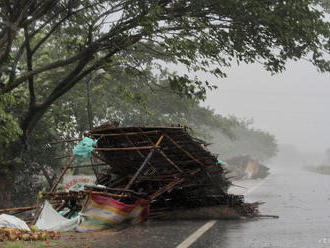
54,65
71,80
29,68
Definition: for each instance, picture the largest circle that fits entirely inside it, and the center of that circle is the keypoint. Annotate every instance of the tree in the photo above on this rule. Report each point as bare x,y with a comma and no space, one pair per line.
49,47
203,35
258,144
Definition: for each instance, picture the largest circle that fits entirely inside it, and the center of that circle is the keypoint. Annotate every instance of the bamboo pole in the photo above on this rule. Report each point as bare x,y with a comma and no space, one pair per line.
110,194
54,186
170,161
171,185
159,140
162,153
186,152
123,134
63,173
126,148
140,169
18,209
138,151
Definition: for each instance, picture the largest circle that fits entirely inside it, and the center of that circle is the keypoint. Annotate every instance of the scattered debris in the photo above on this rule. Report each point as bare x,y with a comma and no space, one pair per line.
245,167
151,172
13,234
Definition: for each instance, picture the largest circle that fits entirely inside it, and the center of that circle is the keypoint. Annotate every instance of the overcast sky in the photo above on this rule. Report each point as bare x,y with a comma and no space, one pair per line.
294,105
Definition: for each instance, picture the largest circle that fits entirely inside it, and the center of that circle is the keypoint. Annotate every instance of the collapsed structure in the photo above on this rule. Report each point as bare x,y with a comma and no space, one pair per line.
244,166
150,172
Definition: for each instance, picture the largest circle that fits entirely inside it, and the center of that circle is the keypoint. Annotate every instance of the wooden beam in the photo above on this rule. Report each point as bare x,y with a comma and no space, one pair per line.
172,184
110,194
168,187
63,173
163,154
140,169
186,152
18,209
123,134
127,148
170,161
159,140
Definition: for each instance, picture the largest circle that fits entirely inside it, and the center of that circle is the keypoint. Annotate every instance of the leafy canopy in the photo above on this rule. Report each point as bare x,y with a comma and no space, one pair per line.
49,46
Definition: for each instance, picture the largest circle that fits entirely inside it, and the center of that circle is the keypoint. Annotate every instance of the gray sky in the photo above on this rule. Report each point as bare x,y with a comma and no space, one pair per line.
294,105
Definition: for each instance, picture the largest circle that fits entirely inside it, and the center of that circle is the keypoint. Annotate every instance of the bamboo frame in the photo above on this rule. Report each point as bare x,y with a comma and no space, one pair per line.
187,153
162,153
171,185
147,159
170,161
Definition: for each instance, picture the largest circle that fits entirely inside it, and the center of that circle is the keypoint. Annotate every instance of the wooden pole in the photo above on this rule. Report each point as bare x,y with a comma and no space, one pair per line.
159,140
126,148
162,153
171,185
63,173
140,169
123,134
19,209
186,152
54,187
170,161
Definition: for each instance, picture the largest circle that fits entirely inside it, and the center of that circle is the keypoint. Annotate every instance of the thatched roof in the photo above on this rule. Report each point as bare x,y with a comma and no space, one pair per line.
162,156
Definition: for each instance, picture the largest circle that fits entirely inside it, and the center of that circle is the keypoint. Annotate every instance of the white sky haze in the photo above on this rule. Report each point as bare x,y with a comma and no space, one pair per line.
294,105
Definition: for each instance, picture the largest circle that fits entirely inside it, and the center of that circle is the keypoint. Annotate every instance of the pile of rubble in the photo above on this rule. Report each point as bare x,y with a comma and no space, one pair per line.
245,167
150,172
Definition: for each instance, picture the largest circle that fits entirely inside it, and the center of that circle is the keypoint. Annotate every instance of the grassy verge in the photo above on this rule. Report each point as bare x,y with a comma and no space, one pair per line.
67,240
37,244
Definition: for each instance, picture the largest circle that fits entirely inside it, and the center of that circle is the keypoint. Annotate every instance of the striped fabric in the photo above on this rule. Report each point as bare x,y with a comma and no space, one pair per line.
102,212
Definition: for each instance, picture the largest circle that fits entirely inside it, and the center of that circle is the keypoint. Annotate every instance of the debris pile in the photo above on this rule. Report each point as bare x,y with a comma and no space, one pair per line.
246,167
150,172
165,165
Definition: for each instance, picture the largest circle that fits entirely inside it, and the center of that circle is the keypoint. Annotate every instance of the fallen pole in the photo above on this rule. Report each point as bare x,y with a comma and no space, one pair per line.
19,209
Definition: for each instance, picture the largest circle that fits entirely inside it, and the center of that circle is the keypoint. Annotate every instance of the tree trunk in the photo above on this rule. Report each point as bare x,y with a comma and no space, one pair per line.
5,193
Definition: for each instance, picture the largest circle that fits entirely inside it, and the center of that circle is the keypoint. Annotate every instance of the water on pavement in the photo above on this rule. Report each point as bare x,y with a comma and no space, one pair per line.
300,198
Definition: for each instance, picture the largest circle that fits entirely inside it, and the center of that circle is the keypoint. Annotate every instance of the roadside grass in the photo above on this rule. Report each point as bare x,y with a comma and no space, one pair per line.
38,244
67,240
322,169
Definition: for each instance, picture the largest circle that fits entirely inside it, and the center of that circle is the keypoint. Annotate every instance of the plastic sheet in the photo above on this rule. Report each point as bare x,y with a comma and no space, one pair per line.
13,222
50,220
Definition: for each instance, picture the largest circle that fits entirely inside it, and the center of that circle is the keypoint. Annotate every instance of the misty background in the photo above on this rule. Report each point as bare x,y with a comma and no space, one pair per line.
293,105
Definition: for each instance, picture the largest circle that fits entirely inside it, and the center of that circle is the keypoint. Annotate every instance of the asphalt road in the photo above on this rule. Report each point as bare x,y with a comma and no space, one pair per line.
300,198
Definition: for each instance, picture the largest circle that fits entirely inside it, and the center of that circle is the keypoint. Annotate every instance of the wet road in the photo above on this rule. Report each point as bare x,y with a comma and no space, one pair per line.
300,198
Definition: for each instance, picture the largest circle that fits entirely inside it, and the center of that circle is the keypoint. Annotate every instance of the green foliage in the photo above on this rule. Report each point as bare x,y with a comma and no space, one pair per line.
51,49
57,44
257,144
9,128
